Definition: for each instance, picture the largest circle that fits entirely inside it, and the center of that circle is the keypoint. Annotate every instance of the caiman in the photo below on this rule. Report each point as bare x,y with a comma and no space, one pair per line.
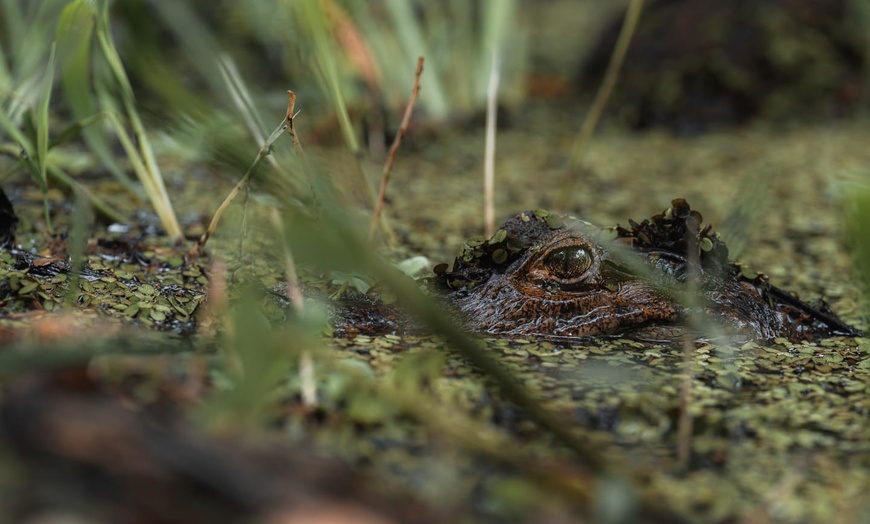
551,276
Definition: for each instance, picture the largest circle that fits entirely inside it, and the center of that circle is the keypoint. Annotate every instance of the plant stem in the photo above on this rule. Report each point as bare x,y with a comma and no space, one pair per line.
489,155
199,248
148,170
611,75
388,166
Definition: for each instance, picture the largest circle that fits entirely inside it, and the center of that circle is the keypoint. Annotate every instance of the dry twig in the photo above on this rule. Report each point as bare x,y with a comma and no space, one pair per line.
290,119
286,122
388,166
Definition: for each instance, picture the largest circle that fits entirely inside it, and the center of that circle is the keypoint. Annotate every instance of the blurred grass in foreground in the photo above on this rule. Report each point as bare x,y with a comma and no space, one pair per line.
86,48
856,197
335,244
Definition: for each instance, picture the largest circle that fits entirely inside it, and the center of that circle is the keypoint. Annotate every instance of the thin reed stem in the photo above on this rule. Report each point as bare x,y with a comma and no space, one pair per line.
489,155
292,289
388,166
199,248
611,75
693,278
290,119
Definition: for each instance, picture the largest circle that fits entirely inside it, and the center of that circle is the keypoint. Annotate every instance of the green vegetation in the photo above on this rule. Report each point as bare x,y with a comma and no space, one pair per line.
184,95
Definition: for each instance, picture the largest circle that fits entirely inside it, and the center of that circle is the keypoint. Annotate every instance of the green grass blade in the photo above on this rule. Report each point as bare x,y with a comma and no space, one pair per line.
856,196
42,119
14,25
750,205
312,20
241,97
42,128
75,129
75,33
196,39
411,36
78,241
147,168
28,45
7,124
498,17
100,206
113,59
5,75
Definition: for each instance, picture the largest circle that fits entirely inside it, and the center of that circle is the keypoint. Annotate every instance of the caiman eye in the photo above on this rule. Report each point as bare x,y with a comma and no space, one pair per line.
567,263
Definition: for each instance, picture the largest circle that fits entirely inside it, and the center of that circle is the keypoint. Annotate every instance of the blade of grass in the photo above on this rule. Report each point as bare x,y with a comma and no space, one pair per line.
297,300
26,152
498,18
75,129
468,52
312,20
197,40
23,97
5,74
244,103
77,242
611,75
42,127
489,153
684,421
75,33
100,206
857,207
27,28
452,423
749,205
15,24
411,35
221,75
148,172
7,124
386,50
199,248
241,97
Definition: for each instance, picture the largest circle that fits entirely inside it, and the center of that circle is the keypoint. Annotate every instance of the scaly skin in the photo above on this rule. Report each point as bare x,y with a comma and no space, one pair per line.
540,277
531,298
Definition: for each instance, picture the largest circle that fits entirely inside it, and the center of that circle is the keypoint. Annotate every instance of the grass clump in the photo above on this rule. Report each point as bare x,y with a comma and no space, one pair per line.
85,50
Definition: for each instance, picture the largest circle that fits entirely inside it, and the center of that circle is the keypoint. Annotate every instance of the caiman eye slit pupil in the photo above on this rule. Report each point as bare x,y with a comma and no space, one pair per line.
568,262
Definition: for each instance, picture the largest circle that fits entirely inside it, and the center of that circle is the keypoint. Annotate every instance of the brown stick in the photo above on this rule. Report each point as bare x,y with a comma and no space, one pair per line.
388,167
290,119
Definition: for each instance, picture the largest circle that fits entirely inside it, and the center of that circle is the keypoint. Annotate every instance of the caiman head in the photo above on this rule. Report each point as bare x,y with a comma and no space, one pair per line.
544,275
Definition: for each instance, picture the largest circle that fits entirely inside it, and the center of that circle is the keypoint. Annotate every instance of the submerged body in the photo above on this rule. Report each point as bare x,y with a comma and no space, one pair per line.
538,276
